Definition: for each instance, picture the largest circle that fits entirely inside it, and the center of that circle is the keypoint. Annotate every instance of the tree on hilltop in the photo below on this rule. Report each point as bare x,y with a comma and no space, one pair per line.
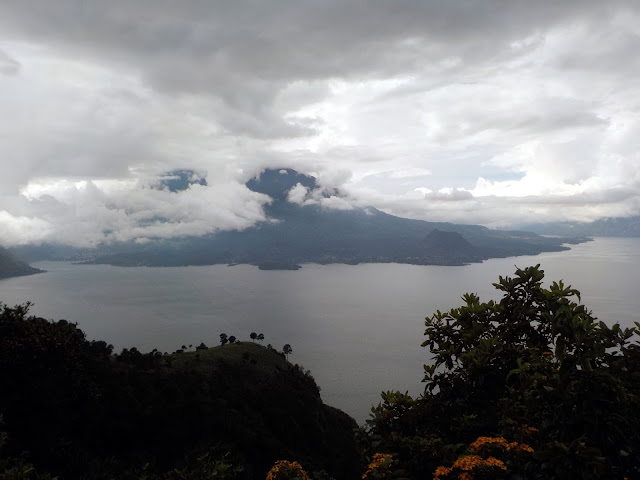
287,350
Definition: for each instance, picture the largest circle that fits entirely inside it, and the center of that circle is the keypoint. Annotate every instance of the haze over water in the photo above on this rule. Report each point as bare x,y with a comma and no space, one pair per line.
357,328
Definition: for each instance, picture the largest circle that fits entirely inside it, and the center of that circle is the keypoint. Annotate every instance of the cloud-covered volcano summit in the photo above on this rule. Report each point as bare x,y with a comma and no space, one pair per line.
296,232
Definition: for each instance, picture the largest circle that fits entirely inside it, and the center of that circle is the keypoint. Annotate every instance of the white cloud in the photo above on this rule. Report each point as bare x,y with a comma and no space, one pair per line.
297,194
435,110
336,203
8,64
85,214
21,230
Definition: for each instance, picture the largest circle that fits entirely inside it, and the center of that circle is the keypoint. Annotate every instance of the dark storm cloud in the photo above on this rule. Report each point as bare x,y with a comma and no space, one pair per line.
245,52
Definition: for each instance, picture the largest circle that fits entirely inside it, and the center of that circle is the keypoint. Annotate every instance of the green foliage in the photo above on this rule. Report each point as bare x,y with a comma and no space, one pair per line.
204,466
534,358
82,412
16,468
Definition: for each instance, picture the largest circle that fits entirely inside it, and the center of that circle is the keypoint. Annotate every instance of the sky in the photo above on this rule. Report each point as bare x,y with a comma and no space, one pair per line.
488,112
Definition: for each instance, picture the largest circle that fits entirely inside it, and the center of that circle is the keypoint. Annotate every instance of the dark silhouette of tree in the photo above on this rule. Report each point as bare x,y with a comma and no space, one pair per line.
287,350
253,336
223,339
232,339
261,336
534,366
202,346
57,389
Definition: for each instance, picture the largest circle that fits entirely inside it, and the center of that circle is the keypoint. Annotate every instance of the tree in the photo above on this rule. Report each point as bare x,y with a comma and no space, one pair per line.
261,336
287,350
535,366
232,339
223,339
202,346
253,336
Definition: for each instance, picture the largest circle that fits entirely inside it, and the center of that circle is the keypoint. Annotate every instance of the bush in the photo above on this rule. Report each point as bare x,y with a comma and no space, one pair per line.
534,360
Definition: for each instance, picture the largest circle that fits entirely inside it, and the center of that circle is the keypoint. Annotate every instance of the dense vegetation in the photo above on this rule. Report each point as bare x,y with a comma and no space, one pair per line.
529,387
532,382
230,411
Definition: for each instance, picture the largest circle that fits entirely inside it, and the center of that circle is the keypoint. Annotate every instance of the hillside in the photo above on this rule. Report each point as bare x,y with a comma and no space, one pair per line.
10,266
605,227
85,412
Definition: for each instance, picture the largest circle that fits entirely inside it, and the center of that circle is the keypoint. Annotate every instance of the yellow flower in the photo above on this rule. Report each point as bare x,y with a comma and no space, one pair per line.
379,465
523,447
441,471
494,462
529,429
468,462
482,442
285,470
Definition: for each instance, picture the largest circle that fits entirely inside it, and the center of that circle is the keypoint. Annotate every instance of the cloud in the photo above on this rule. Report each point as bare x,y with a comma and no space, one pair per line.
20,230
472,112
8,64
336,203
88,213
449,195
297,194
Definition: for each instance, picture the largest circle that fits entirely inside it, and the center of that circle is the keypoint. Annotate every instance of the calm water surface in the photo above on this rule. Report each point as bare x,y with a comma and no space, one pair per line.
357,328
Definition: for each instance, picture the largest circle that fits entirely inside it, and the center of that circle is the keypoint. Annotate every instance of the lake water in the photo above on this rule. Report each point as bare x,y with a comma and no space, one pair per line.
357,328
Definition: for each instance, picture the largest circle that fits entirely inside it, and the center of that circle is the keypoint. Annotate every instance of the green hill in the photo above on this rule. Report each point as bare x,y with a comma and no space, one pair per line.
10,266
83,412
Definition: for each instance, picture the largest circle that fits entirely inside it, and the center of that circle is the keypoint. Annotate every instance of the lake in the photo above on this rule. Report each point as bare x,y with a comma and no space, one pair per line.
357,328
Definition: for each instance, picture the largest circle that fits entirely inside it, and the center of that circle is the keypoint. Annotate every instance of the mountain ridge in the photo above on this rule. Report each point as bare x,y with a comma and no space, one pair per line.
301,228
10,266
604,227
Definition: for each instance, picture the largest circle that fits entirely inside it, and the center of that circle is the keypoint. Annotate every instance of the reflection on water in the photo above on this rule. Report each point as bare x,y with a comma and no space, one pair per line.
357,328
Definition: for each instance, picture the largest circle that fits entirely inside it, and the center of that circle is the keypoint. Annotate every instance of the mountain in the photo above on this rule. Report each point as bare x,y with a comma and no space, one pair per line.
605,227
10,266
302,230
449,245
181,179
